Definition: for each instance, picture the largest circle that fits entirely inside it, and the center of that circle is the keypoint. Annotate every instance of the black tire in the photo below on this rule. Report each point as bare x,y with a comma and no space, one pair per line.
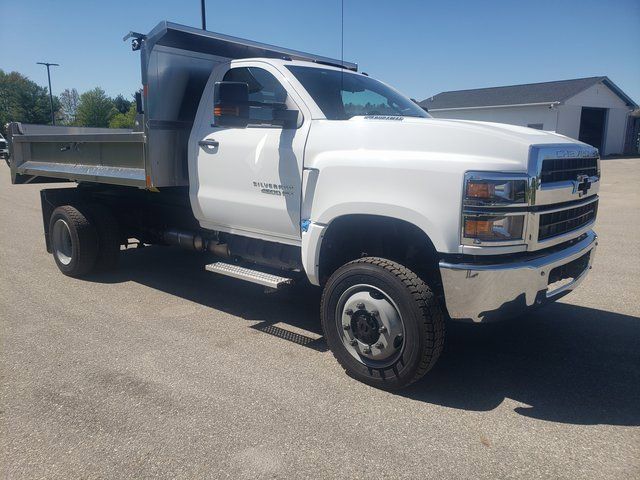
108,231
80,257
421,316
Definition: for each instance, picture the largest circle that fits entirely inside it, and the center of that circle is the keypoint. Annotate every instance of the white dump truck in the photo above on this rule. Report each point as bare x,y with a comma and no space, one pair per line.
291,167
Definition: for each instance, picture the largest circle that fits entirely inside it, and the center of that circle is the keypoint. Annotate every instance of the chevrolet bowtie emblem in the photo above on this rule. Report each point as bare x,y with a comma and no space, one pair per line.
582,184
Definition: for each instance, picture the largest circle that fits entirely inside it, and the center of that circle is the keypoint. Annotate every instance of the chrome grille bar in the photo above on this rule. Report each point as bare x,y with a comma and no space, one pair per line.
563,169
565,221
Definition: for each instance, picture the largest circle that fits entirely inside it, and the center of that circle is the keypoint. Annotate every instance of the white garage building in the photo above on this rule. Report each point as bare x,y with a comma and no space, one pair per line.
593,110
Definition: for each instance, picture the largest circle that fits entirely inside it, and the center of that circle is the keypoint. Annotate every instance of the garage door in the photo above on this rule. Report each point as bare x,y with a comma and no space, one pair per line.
592,122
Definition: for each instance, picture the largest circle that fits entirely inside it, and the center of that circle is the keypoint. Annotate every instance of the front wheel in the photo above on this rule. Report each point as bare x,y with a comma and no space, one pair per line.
382,322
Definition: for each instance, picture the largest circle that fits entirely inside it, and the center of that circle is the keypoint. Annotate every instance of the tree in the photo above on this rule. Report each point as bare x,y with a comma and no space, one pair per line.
124,120
22,100
69,100
122,104
95,109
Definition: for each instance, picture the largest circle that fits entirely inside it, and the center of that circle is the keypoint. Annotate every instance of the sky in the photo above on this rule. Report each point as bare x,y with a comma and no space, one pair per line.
420,47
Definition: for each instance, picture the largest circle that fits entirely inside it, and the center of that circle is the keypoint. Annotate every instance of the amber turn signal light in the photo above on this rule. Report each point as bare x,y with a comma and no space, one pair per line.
480,190
220,110
477,228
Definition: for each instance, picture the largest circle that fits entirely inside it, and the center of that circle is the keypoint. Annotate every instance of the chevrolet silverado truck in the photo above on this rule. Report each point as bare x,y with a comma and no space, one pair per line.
289,167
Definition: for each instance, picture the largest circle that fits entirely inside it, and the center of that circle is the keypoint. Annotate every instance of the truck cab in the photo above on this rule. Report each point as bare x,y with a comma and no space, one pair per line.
289,167
368,156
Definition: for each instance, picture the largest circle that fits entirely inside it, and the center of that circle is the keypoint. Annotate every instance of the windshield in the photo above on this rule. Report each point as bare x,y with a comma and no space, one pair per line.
341,95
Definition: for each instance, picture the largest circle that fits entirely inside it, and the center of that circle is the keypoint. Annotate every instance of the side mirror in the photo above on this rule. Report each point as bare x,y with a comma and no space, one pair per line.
231,104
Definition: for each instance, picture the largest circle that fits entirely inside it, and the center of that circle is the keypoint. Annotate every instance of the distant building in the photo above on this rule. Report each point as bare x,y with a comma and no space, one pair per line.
593,110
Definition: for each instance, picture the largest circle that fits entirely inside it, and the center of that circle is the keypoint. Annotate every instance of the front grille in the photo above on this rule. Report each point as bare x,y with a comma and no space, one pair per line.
563,169
564,221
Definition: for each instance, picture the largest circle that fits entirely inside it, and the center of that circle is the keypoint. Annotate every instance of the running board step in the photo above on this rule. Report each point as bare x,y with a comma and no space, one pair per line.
253,276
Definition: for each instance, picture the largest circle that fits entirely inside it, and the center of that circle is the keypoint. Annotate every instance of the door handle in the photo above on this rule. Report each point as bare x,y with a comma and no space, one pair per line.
208,143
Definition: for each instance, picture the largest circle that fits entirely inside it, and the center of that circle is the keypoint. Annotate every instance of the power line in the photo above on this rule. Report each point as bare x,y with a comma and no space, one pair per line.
47,64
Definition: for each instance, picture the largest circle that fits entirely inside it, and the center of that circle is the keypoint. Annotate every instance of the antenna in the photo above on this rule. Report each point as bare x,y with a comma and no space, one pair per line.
341,49
342,33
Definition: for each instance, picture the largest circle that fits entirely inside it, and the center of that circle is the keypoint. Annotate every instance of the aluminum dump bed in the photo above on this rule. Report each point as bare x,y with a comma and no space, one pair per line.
176,62
41,152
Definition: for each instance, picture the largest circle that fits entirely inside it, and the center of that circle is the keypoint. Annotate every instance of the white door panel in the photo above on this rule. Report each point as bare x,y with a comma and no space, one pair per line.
251,181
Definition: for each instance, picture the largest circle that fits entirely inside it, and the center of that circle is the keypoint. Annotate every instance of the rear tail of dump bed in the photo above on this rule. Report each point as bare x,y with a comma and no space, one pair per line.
176,62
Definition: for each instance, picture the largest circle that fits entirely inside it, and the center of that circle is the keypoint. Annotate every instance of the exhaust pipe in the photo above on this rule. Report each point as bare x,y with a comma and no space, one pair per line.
193,241
185,240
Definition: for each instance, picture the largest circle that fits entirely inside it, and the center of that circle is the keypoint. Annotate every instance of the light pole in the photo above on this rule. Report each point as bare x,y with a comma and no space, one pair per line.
46,64
204,15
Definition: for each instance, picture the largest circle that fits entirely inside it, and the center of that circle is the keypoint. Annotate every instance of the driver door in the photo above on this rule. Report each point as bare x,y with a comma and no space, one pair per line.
249,179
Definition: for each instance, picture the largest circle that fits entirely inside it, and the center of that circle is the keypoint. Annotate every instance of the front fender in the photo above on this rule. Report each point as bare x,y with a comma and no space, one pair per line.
331,193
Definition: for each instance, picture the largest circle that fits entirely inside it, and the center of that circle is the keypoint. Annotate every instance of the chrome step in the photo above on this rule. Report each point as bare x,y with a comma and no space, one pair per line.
253,276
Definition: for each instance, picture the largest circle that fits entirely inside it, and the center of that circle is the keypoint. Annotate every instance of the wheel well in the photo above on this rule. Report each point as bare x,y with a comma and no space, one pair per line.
355,236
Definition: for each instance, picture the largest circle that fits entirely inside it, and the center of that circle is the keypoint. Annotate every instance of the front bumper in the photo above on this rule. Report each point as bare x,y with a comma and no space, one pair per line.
482,292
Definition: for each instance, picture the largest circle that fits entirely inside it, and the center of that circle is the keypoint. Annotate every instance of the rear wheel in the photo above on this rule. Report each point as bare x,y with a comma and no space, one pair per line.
74,241
382,322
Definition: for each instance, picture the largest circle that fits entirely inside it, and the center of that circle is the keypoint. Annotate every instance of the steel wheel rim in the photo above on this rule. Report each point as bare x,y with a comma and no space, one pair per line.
62,244
379,349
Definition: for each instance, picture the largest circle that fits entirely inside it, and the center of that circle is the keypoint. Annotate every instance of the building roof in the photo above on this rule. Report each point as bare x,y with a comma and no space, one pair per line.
531,93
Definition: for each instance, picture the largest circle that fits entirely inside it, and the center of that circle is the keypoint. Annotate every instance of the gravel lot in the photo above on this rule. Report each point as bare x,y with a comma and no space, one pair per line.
164,370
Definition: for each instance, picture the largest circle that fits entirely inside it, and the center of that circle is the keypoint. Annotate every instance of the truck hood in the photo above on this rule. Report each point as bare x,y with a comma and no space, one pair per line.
464,144
409,169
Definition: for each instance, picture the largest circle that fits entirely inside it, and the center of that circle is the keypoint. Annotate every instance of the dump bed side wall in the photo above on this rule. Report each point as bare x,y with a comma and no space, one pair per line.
40,153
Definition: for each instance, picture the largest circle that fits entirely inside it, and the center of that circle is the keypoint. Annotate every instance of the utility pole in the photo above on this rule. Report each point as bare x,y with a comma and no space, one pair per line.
204,15
46,64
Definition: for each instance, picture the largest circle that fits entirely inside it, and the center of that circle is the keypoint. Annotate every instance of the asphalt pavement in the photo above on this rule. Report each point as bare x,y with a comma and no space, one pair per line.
164,370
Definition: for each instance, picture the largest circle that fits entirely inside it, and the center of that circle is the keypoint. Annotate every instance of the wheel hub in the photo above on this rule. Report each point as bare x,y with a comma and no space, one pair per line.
365,327
370,326
61,239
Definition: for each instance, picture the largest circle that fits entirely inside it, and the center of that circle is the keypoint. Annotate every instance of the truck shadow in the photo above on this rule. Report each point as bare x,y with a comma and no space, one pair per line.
181,273
565,363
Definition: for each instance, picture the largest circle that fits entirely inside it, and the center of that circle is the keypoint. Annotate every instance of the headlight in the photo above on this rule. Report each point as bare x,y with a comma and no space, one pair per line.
493,228
493,208
499,190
